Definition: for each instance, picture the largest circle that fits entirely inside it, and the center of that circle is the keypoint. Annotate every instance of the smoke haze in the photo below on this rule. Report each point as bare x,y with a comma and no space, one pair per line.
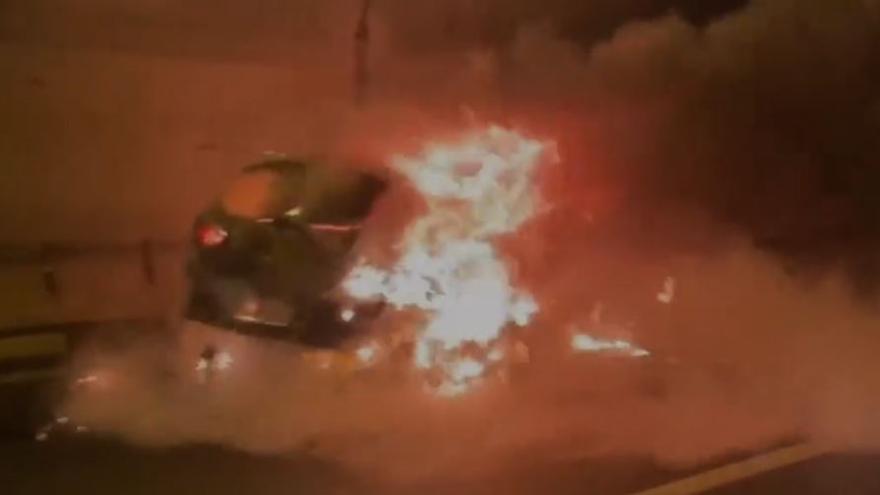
735,151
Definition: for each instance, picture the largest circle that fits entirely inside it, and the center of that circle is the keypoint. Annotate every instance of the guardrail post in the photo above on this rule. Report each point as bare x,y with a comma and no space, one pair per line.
47,270
148,261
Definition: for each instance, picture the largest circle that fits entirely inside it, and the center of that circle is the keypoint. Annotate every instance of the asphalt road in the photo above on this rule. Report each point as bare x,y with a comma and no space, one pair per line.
85,464
843,474
93,466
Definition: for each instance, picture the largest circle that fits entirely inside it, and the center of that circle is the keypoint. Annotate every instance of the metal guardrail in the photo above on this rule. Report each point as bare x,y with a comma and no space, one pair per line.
49,297
60,282
46,255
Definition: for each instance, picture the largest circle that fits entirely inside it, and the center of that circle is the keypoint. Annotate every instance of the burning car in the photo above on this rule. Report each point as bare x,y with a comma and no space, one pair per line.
268,252
276,254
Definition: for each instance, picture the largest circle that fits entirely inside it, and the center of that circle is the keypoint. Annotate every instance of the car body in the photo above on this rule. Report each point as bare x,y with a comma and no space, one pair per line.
269,252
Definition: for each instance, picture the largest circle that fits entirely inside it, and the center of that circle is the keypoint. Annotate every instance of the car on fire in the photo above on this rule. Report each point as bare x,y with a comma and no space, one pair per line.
276,256
268,252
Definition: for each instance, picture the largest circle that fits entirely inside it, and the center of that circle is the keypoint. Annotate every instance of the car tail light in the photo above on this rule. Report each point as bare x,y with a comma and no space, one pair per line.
211,235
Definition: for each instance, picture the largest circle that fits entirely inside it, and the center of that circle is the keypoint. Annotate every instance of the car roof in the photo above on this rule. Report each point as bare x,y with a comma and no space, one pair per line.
323,192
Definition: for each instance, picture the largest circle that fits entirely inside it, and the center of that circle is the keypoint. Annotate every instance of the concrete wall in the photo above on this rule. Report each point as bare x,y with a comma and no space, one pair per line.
122,146
91,286
100,147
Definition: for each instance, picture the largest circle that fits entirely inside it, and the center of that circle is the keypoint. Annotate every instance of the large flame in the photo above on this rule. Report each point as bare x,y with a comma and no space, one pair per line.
475,190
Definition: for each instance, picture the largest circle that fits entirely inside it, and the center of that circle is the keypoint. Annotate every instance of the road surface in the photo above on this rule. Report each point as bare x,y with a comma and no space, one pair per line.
84,464
93,467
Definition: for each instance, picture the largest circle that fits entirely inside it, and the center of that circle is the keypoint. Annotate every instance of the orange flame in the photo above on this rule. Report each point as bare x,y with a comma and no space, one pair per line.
475,190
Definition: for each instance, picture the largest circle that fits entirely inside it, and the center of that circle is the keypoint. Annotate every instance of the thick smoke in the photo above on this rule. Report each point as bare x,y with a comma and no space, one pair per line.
762,120
737,157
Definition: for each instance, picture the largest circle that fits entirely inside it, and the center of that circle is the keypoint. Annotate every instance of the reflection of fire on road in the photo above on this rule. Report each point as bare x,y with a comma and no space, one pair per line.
474,190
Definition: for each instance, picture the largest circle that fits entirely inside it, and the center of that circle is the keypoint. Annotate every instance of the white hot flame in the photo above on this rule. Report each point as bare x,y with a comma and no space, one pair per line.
475,190
367,353
347,315
582,342
667,294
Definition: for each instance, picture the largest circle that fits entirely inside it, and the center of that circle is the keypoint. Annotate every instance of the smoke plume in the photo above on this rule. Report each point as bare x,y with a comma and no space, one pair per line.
735,153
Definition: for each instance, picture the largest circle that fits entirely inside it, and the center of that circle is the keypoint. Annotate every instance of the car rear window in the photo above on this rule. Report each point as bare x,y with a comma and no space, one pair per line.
320,193
262,194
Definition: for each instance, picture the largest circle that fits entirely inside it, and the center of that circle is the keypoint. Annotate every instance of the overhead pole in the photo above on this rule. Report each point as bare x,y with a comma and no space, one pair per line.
361,45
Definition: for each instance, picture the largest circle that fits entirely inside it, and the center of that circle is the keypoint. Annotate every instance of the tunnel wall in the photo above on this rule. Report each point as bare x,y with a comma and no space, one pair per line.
124,146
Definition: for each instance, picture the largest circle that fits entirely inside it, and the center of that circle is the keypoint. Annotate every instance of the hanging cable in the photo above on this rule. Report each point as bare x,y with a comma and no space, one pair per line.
361,43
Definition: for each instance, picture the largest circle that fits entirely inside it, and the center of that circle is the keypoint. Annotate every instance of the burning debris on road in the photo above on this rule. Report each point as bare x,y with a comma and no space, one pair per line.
583,342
